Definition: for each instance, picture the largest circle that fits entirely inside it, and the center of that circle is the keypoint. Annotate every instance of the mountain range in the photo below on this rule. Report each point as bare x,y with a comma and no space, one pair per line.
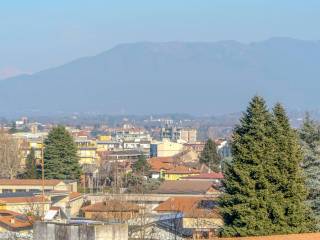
173,77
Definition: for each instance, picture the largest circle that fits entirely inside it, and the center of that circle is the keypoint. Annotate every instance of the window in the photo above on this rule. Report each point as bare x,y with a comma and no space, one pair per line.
34,190
7,190
21,190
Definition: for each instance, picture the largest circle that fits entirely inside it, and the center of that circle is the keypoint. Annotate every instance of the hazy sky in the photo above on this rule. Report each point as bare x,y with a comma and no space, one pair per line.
38,34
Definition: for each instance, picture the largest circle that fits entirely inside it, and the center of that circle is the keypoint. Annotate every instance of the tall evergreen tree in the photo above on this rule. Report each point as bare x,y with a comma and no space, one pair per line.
310,141
60,155
248,196
210,156
258,200
31,166
293,215
141,166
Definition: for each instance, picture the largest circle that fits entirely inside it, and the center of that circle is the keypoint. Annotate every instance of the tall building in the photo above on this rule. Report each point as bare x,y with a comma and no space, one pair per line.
188,135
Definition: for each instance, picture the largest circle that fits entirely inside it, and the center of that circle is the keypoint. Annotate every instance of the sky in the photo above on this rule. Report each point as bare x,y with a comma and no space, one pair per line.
36,34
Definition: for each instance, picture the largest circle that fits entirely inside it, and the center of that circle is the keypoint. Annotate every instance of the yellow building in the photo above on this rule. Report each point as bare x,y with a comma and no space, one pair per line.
73,200
166,148
87,151
178,173
25,205
166,168
35,185
104,138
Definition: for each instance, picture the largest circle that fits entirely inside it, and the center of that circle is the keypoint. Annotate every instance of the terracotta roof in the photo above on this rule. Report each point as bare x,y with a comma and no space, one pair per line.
15,223
167,164
157,166
14,220
74,195
177,204
4,212
33,182
184,187
303,236
32,199
162,159
111,206
180,169
190,206
213,175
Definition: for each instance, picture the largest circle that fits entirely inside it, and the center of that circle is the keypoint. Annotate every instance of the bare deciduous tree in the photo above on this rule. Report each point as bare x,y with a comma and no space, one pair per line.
9,156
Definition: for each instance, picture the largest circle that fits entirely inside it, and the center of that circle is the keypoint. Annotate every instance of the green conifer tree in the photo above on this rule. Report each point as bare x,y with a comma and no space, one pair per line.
60,155
310,142
210,156
292,215
248,201
141,166
31,166
264,190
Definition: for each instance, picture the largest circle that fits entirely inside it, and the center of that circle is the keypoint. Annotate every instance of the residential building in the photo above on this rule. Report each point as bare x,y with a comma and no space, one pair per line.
214,177
108,145
165,148
197,146
187,135
87,150
35,185
127,155
168,168
199,214
70,204
25,204
187,187
111,210
13,222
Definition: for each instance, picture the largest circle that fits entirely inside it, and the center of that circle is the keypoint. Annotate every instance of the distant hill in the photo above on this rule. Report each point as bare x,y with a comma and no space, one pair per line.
197,78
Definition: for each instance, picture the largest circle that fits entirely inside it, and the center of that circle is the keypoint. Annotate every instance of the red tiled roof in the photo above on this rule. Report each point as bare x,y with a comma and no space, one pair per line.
4,212
167,164
74,195
32,182
157,165
14,220
162,159
213,175
15,223
184,187
32,199
111,206
177,204
189,206
182,170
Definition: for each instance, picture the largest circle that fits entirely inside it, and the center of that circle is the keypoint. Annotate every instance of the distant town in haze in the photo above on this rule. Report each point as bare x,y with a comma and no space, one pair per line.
159,120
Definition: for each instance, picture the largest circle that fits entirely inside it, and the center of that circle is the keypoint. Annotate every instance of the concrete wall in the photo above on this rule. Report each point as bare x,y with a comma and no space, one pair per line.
59,231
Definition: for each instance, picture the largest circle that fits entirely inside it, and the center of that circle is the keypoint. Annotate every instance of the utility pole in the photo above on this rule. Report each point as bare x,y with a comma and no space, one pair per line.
42,173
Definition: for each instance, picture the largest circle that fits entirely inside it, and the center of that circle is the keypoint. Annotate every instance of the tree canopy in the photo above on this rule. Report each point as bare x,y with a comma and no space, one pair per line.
210,156
310,142
264,189
31,166
141,166
60,155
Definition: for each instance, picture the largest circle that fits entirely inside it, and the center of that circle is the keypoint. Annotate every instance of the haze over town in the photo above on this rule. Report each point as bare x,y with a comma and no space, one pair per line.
159,120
